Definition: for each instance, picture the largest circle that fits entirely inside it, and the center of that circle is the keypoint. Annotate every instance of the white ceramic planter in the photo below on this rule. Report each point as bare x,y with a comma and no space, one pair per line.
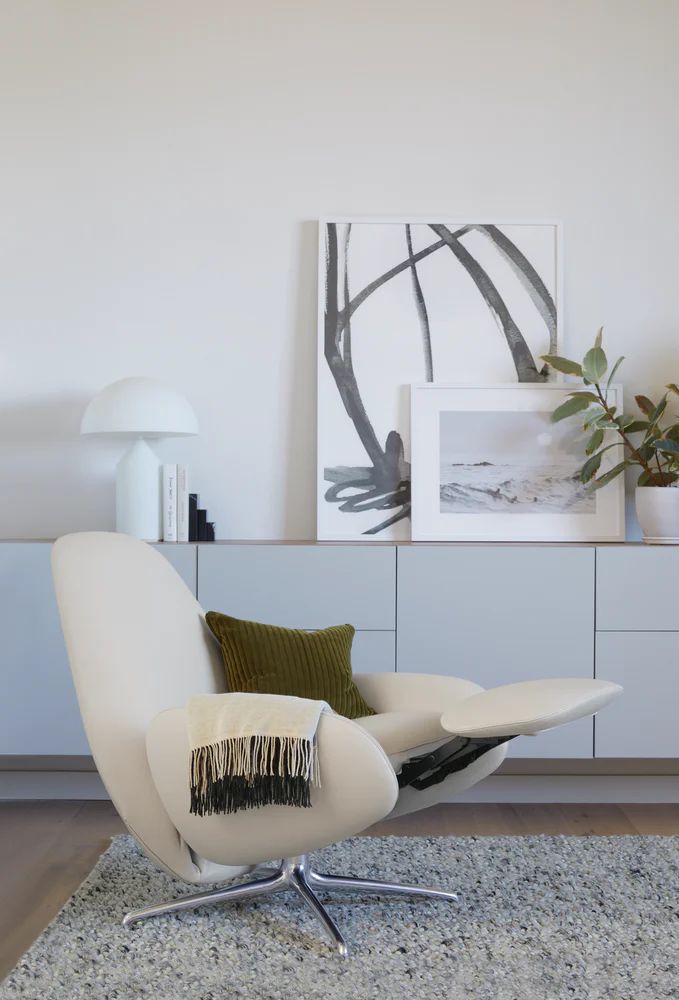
658,513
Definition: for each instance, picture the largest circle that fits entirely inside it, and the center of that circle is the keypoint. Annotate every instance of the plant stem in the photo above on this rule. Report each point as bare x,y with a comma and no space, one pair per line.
662,474
633,451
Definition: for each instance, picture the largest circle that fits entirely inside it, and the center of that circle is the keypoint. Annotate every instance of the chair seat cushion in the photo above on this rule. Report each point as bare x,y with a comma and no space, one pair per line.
398,732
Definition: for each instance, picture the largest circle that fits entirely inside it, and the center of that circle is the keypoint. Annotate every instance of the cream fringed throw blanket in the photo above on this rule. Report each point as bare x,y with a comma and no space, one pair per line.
250,750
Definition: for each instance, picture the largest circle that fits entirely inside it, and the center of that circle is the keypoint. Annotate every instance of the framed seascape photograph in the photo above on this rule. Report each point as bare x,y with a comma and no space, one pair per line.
489,465
419,300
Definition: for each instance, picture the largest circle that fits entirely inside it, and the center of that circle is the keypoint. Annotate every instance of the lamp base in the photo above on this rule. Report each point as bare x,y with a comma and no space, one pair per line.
138,506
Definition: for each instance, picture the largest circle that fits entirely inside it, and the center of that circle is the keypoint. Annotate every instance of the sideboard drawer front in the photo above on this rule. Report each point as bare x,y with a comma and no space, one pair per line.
300,586
643,720
182,557
637,588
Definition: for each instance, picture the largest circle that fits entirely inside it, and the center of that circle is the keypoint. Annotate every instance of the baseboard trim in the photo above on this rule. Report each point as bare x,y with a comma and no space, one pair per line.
51,785
591,767
513,765
586,789
47,762
500,788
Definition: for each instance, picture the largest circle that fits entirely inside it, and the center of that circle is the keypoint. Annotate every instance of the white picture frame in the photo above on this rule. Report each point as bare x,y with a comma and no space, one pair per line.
489,465
484,312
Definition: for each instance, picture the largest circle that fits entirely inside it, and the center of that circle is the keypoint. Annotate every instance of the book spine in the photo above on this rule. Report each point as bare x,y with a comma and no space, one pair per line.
210,531
193,517
202,525
182,504
170,503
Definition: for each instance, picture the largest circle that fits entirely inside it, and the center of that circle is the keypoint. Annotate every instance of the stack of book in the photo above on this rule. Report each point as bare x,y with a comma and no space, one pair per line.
183,519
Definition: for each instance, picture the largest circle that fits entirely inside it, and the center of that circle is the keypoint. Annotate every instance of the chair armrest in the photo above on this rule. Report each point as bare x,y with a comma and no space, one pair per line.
413,692
358,788
529,707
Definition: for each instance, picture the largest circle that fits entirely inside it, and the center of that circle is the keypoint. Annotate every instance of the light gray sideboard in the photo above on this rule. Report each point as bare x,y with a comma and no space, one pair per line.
494,613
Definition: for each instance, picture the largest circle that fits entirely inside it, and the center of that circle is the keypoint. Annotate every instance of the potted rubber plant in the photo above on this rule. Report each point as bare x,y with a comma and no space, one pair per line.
650,440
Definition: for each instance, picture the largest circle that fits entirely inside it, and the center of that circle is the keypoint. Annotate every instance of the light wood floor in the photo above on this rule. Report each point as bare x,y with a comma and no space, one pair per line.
48,848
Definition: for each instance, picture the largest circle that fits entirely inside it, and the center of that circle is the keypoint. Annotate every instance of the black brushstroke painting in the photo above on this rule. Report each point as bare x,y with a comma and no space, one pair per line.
383,483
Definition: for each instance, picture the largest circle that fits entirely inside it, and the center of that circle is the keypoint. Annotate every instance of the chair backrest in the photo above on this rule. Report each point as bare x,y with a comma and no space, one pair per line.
138,644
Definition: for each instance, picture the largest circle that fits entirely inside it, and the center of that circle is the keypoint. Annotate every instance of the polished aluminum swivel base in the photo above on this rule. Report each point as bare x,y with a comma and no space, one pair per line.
293,873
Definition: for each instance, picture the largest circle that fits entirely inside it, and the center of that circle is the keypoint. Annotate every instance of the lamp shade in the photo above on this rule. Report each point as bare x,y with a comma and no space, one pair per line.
139,407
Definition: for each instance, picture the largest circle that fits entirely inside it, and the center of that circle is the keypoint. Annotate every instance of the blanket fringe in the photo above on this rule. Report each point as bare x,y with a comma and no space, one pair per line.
247,772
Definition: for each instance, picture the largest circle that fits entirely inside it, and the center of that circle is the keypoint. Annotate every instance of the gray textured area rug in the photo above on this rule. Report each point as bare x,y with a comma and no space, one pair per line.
540,918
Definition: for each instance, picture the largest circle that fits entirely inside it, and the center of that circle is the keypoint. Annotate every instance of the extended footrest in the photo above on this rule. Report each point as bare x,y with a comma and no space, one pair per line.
490,718
528,707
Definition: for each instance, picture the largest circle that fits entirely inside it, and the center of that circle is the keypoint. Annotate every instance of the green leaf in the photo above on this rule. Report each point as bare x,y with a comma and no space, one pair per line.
672,432
635,426
599,337
591,467
673,387
594,364
613,371
592,417
562,365
585,395
594,442
658,411
573,405
645,404
664,444
646,452
610,475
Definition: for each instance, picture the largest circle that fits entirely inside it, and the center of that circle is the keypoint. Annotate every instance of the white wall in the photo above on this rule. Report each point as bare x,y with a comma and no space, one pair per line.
163,164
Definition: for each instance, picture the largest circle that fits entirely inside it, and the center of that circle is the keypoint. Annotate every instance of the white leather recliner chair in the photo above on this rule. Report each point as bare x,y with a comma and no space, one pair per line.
139,650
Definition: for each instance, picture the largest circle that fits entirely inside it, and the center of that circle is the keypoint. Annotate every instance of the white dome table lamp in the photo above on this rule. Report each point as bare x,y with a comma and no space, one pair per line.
139,408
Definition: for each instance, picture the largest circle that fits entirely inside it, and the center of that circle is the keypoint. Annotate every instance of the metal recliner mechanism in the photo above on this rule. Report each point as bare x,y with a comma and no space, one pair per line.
431,768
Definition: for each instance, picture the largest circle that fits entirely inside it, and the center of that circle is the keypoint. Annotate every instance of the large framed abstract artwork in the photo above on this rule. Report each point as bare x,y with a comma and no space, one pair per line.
412,301
490,465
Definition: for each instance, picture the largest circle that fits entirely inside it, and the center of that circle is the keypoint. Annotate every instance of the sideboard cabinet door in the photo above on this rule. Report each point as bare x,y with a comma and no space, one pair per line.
643,721
500,614
38,711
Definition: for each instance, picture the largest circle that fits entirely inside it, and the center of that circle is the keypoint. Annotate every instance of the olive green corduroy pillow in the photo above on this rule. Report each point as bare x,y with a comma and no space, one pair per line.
267,659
